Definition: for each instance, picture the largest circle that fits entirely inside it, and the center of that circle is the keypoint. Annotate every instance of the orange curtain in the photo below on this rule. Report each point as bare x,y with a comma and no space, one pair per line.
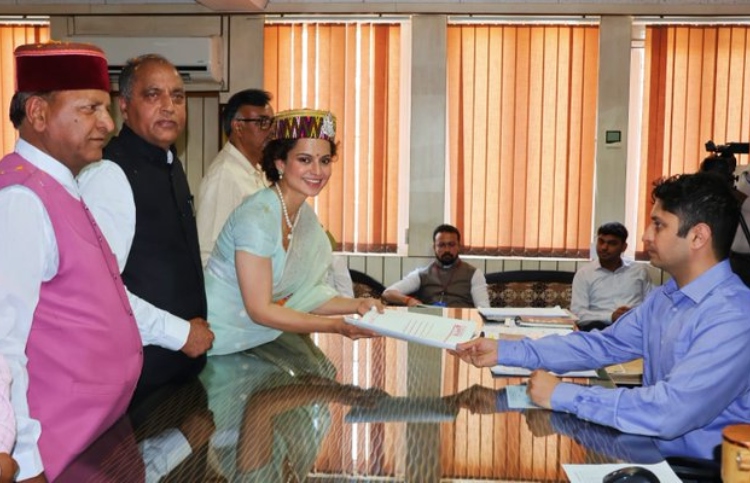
522,112
697,87
11,36
353,69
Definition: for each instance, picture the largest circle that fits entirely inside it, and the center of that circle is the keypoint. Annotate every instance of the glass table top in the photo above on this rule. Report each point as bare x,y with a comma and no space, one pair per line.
324,408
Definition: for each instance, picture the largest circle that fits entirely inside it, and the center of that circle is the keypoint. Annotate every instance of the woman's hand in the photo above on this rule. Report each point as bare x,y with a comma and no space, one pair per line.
353,332
352,395
477,399
367,304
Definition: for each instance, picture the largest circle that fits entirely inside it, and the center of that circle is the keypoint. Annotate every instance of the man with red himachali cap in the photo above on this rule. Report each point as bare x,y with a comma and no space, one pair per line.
66,325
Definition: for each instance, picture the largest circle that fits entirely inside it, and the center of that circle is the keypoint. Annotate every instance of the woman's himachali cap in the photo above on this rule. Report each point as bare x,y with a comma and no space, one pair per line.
60,66
305,123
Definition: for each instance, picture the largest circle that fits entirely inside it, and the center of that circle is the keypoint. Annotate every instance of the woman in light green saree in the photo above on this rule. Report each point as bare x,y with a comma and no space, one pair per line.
267,273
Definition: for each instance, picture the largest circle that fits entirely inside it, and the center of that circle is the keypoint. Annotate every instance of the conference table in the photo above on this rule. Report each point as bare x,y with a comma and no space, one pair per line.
323,408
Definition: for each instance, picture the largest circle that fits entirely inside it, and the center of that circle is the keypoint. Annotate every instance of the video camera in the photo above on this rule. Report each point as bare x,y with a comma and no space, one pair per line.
722,160
727,150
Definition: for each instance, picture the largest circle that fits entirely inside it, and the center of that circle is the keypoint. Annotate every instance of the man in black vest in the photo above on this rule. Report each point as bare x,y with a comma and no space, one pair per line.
446,282
164,266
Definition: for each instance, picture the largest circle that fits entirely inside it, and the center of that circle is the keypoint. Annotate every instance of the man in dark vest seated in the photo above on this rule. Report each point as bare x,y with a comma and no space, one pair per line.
446,282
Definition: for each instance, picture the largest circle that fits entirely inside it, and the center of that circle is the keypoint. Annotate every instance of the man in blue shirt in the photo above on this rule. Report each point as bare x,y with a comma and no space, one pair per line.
693,333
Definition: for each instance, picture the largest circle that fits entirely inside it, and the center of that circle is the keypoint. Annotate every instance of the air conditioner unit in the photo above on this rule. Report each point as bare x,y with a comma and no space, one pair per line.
198,59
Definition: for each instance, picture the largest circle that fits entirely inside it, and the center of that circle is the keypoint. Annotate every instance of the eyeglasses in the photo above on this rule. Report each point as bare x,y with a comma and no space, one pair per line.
263,122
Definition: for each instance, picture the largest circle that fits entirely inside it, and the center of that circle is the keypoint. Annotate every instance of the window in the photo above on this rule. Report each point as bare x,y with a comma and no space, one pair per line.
695,88
353,69
522,113
11,36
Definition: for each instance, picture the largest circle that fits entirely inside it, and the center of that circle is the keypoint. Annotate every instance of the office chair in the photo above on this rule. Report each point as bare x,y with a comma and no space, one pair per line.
530,288
365,286
695,470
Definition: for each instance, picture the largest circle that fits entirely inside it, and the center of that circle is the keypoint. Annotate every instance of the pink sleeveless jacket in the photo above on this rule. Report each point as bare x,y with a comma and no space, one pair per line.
84,350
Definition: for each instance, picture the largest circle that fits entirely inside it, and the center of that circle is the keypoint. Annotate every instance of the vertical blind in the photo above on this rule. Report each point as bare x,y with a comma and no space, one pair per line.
522,112
11,36
697,87
352,69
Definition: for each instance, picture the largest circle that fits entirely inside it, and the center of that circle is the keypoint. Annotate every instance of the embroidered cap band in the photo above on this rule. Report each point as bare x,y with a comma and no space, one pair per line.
305,123
60,66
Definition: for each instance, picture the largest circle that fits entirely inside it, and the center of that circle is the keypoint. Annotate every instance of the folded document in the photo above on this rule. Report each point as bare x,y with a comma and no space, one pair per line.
432,330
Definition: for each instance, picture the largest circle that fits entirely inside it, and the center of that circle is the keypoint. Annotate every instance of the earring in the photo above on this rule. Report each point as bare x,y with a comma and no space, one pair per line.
281,175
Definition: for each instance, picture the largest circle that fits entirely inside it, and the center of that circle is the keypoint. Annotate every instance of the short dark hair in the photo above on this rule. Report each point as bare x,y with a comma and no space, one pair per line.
248,97
445,228
127,76
279,149
18,107
701,198
614,228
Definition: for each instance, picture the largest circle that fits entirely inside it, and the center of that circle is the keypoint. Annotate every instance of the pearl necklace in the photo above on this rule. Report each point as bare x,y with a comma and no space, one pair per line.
288,220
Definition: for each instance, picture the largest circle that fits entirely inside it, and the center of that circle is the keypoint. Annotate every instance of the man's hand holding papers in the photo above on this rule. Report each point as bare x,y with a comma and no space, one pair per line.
482,352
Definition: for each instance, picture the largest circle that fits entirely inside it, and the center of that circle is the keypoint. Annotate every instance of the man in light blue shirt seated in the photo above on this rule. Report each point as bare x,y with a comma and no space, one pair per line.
693,334
605,288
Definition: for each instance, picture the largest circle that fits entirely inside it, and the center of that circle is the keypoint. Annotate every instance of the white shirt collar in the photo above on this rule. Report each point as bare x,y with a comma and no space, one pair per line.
626,262
241,159
49,165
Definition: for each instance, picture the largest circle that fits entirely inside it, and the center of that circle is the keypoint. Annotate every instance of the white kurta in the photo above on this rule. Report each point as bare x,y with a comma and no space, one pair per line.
229,180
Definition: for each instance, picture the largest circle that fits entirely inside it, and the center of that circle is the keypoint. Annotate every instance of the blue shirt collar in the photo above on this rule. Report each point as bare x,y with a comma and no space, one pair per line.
699,288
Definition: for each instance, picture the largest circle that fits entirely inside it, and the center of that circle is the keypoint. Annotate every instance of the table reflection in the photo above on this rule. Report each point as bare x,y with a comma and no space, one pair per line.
323,408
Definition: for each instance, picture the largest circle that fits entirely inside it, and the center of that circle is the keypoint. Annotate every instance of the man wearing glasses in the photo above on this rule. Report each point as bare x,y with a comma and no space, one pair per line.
446,282
235,172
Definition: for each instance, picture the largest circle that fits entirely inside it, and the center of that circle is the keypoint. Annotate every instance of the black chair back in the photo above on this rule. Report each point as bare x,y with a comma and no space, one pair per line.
530,288
365,286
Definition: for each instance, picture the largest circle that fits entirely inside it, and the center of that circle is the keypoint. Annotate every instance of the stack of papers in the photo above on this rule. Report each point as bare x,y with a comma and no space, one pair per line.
531,316
431,330
499,370
495,332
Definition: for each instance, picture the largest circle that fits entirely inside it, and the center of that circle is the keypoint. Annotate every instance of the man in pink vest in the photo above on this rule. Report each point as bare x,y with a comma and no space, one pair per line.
66,326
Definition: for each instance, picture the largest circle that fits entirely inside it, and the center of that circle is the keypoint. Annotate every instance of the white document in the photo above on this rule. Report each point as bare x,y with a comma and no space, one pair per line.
595,473
432,330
